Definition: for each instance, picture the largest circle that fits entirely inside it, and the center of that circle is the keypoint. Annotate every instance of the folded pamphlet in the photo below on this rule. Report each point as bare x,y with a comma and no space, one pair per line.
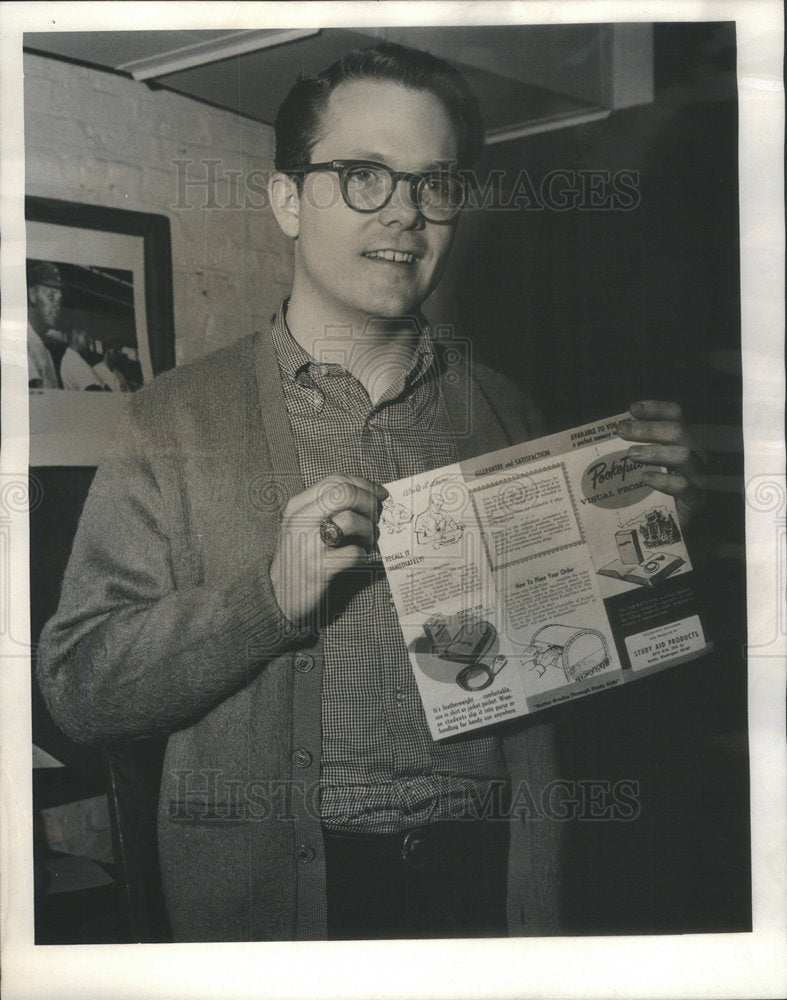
535,575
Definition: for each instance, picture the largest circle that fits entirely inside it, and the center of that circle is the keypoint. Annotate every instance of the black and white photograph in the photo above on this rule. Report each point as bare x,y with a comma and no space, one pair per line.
99,320
389,393
83,319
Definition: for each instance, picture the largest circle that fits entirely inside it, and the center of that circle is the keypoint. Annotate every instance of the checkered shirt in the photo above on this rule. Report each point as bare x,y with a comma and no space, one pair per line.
381,771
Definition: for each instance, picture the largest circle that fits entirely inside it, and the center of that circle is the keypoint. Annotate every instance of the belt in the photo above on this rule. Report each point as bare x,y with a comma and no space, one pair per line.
435,845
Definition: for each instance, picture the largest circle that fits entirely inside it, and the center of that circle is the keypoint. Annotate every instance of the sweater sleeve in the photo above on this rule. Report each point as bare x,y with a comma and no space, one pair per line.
129,652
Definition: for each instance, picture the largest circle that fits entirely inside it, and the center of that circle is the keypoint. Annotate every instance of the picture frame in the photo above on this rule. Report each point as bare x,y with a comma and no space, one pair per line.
113,268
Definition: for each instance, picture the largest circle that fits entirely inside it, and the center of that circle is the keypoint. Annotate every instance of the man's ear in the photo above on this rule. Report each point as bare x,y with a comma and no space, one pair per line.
285,199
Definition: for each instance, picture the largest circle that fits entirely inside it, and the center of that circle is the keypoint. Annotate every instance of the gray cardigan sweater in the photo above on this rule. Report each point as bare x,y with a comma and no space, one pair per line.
168,623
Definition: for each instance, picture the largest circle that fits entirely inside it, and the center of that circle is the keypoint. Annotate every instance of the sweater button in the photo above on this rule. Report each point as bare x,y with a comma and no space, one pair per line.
304,853
301,757
304,663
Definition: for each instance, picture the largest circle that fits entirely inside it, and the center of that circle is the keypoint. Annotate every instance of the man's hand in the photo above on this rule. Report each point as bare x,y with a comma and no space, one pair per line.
304,565
666,442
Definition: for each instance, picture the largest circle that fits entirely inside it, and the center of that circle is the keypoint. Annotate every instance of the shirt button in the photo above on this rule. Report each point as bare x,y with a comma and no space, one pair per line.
304,853
301,757
400,695
304,663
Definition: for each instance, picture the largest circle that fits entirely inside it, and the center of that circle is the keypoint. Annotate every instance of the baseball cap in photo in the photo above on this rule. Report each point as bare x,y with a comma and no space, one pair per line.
42,272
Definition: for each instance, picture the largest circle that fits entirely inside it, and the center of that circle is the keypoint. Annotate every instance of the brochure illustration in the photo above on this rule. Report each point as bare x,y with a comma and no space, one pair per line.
535,575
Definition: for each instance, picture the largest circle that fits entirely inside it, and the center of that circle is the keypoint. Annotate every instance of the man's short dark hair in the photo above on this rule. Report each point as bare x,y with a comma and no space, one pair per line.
300,118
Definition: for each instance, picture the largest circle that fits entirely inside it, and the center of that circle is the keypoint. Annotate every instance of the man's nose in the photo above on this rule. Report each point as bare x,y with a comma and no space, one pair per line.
402,209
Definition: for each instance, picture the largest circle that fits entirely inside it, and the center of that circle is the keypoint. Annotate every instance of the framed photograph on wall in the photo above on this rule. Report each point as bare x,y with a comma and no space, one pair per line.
100,322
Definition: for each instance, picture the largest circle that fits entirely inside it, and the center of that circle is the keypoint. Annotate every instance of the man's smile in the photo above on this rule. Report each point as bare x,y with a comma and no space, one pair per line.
392,256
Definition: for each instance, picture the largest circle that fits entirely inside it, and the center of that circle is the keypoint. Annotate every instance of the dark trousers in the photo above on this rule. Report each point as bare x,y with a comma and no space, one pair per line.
438,881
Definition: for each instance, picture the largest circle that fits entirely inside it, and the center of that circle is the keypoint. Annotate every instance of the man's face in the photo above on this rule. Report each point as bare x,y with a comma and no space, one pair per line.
45,302
339,262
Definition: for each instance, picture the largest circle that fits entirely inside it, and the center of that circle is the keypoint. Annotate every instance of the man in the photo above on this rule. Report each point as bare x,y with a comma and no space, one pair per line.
54,359
237,603
433,525
108,370
75,371
44,298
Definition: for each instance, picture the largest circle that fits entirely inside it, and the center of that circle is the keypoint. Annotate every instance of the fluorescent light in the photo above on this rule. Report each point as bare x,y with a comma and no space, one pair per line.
508,133
233,44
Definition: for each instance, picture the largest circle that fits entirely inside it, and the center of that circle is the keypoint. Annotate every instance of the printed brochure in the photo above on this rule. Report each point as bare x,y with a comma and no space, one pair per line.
534,575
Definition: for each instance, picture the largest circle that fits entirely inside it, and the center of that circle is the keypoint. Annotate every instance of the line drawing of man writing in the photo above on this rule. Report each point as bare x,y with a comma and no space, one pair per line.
433,526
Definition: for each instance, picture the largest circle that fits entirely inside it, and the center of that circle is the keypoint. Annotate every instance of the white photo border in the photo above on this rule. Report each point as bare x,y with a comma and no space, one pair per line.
719,965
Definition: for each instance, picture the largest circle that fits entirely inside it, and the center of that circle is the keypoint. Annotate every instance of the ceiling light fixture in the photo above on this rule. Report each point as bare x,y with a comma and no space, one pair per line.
233,44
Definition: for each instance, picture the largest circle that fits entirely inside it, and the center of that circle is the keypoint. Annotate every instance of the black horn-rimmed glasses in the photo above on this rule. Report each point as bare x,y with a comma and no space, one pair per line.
368,186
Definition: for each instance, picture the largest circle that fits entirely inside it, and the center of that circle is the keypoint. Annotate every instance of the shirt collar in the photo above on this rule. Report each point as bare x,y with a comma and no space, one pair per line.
291,356
294,360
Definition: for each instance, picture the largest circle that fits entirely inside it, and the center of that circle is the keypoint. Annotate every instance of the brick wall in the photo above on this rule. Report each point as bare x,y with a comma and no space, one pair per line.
106,140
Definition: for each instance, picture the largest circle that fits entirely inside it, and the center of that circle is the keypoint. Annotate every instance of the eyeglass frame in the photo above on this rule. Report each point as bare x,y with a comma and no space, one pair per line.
415,180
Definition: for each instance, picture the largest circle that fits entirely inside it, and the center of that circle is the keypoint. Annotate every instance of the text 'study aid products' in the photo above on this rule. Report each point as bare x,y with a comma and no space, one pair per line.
537,574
